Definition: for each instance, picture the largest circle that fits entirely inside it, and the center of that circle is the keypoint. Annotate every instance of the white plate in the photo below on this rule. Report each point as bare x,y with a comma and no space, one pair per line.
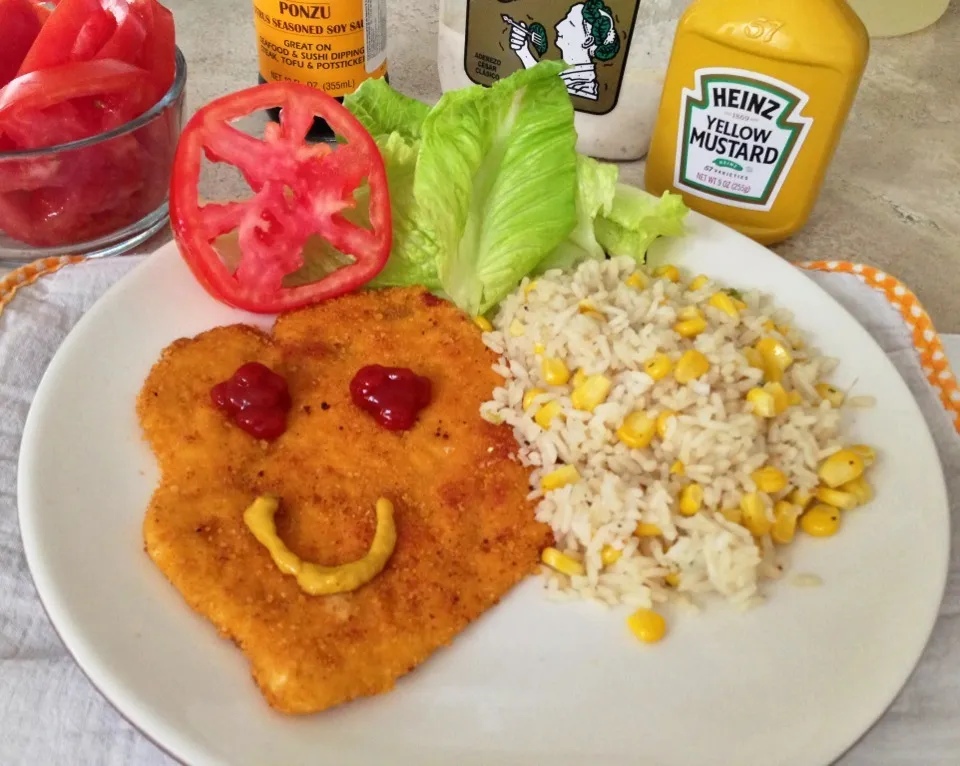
792,683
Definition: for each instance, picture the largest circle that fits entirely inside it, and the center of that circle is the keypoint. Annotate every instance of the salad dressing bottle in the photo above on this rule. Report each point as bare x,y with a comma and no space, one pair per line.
755,98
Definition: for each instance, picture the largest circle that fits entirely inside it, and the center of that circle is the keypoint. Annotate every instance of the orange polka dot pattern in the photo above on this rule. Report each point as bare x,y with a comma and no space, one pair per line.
933,359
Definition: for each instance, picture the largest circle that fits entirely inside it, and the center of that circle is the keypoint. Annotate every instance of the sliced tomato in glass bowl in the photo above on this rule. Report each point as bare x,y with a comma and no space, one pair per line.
79,30
300,191
55,43
40,90
20,25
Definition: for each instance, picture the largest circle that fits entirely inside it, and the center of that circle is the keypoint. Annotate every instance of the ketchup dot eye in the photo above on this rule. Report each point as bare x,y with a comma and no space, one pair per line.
394,396
256,399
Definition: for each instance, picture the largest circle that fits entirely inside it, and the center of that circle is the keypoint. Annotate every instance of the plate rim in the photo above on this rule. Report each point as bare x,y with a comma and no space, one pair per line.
155,730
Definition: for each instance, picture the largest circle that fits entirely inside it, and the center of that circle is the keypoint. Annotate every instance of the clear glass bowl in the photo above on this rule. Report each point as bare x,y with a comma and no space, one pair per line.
98,196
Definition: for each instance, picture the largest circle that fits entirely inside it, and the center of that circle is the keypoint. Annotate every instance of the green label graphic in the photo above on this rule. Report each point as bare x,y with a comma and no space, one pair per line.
739,135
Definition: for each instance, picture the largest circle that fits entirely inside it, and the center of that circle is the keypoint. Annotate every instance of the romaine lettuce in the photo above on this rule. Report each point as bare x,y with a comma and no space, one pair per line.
486,187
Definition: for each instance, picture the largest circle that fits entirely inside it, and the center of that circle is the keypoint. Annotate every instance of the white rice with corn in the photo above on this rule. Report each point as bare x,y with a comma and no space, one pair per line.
679,513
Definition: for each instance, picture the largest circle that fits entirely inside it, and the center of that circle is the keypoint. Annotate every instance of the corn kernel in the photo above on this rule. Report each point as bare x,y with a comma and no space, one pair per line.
840,468
678,468
483,323
658,366
763,403
578,377
547,413
800,497
667,272
610,555
846,501
561,477
769,479
830,393
781,400
636,280
672,579
860,488
776,358
691,366
647,530
866,453
554,371
794,398
769,326
637,430
516,328
588,309
698,281
733,515
724,303
821,521
647,625
753,357
529,396
592,392
561,562
755,514
690,328
539,348
784,522
663,422
691,499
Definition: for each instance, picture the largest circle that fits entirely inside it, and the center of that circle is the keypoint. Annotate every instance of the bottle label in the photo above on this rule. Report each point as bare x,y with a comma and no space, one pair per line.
739,134
593,37
331,46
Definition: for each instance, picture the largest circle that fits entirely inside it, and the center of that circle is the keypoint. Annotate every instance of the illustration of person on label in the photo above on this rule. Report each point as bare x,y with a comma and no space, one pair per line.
587,34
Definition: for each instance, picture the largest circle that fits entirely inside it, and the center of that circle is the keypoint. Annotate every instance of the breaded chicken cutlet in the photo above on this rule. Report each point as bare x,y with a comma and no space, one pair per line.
466,533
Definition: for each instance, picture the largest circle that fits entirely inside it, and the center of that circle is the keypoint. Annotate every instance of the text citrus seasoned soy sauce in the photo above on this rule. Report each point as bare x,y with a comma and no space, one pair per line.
332,46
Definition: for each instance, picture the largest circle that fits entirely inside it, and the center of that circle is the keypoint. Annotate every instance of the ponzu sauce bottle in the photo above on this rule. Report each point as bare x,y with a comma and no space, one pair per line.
754,101
332,46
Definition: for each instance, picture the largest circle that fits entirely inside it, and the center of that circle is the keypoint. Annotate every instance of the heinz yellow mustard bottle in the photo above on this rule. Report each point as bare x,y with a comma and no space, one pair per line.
754,101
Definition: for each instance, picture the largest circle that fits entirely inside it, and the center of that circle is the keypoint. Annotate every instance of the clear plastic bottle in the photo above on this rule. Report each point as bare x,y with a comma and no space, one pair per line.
617,51
891,18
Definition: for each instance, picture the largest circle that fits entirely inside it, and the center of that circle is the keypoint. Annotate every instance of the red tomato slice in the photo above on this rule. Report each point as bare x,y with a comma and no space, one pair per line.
40,8
92,36
300,190
20,25
79,30
82,79
160,49
60,124
56,40
129,35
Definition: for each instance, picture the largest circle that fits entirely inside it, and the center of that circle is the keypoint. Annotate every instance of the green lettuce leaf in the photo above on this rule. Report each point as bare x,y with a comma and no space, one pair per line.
596,185
496,182
486,187
636,219
382,110
413,257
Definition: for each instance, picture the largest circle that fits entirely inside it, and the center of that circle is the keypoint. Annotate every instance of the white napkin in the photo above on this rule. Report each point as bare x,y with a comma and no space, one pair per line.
51,716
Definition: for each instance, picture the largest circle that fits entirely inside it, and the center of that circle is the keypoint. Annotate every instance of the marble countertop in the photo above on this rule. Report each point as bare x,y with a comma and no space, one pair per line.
892,196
